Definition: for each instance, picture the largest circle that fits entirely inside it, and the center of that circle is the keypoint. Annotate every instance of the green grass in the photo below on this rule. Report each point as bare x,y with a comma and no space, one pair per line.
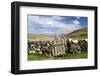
76,56
37,57
81,55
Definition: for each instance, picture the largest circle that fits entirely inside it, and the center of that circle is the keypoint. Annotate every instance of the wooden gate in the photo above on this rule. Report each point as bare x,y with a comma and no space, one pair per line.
58,50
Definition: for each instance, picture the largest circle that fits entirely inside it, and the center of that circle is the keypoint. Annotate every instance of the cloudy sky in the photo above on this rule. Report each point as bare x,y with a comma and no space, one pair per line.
43,24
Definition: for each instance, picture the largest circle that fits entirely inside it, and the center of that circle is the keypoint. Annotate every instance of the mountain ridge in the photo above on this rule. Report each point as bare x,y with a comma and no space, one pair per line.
80,33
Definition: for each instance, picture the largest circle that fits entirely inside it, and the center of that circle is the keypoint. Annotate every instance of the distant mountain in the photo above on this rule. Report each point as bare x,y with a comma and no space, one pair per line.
81,33
77,34
39,37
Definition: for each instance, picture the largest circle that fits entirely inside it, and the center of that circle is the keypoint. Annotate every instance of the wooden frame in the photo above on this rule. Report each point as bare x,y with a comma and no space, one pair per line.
15,37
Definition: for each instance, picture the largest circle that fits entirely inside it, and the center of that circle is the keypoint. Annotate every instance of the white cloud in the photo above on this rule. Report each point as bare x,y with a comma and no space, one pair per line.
78,17
45,31
52,22
76,22
57,17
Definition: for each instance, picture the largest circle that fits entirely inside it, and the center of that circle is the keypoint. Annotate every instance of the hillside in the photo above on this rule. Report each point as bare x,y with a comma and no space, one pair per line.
77,34
39,37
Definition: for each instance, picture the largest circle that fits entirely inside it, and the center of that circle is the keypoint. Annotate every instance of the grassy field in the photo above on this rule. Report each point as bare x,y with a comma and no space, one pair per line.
37,57
76,56
32,57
